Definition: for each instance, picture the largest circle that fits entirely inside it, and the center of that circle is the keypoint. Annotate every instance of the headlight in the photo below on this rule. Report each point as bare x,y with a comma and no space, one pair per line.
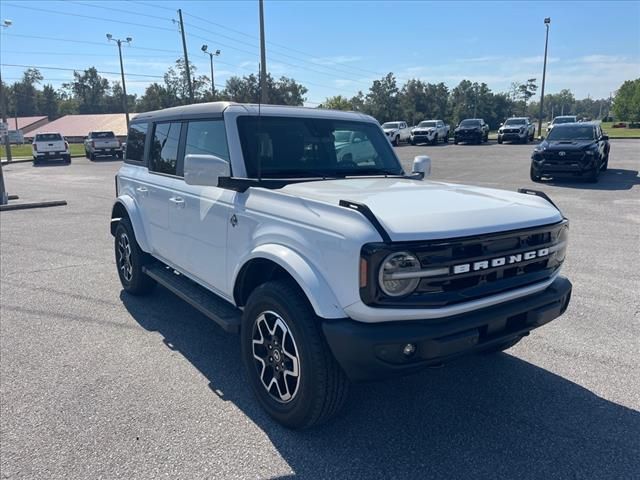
590,152
395,276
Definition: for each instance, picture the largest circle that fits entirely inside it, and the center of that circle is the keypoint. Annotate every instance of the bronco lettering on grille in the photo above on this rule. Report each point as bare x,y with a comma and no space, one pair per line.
499,261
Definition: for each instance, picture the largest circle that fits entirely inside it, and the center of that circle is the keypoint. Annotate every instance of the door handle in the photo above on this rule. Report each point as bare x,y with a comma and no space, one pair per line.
142,190
178,201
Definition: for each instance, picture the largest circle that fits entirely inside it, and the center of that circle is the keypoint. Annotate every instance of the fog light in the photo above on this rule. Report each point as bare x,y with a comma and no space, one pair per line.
409,349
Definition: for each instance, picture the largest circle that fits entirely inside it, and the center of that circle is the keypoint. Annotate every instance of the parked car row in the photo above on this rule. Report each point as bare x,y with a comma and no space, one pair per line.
53,146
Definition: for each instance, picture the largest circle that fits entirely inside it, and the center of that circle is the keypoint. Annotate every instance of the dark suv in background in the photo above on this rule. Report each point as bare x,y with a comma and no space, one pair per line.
571,149
471,130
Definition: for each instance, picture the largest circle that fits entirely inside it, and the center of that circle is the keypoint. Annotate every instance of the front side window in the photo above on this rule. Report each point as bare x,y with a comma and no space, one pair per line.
102,135
515,121
136,139
163,157
207,137
289,147
393,125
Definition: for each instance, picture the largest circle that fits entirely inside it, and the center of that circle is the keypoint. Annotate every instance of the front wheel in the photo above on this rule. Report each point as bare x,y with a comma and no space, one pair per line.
287,360
396,141
130,259
605,164
533,175
435,140
499,139
446,138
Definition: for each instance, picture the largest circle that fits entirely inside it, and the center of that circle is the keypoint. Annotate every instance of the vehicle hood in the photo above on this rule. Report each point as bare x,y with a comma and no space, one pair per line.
425,210
565,145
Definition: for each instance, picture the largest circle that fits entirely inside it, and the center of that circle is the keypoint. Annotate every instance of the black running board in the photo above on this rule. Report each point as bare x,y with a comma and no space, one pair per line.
220,311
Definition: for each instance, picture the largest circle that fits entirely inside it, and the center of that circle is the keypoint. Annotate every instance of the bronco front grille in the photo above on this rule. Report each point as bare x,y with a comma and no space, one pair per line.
461,256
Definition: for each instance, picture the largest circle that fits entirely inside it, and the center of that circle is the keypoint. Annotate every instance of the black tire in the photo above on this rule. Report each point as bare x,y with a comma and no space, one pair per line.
396,141
446,138
92,156
525,140
605,164
532,174
86,153
412,141
119,155
486,138
500,139
501,347
320,388
130,259
67,159
455,141
435,140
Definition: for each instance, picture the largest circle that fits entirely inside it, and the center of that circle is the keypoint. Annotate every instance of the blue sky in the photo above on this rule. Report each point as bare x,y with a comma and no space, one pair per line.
335,47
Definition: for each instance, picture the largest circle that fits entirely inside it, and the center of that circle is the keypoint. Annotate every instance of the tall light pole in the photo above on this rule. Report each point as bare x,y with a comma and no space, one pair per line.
124,87
547,21
205,49
264,98
4,198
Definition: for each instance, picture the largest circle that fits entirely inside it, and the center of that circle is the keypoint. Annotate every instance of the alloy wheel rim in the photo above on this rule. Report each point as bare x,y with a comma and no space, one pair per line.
275,355
124,257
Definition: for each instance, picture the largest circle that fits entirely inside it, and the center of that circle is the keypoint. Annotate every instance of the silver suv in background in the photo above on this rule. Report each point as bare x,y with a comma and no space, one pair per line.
516,129
560,120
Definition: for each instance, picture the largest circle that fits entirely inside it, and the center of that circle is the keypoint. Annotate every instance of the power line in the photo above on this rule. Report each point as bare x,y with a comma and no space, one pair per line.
87,42
41,67
41,52
113,9
120,22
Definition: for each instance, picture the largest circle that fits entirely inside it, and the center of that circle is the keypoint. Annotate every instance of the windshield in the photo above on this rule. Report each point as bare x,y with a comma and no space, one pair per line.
515,121
102,135
586,132
290,147
391,125
427,124
559,120
342,136
470,123
48,137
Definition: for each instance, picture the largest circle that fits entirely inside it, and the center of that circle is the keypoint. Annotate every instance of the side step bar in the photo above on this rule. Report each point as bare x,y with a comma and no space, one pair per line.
220,311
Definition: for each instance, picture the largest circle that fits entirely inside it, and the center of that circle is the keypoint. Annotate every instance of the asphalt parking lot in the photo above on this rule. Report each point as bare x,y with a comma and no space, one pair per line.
97,384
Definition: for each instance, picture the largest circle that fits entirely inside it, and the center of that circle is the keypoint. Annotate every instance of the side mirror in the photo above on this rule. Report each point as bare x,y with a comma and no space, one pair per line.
501,124
605,138
356,140
204,170
422,165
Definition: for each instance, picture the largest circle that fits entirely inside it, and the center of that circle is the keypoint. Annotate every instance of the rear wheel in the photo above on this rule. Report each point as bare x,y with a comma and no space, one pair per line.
130,259
288,363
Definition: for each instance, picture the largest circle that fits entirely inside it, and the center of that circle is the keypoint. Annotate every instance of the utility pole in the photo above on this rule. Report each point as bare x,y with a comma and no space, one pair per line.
205,49
264,97
186,58
547,21
124,86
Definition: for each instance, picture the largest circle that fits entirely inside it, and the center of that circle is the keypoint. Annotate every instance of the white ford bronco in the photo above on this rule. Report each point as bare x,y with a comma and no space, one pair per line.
330,268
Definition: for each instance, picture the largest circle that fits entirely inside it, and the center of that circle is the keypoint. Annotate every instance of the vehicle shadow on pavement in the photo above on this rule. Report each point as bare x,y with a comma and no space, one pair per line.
612,179
483,417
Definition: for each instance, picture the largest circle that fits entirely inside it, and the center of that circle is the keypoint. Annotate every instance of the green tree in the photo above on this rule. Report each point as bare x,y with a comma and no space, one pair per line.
23,95
48,102
626,104
90,91
383,100
526,91
337,103
284,91
156,97
175,80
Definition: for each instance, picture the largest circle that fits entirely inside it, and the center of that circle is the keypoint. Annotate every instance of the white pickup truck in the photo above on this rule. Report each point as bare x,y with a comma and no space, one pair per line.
430,131
50,146
101,144
329,269
397,132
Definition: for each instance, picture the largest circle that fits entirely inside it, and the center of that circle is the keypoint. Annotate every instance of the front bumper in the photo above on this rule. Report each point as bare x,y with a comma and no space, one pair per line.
422,137
513,136
373,351
575,166
473,136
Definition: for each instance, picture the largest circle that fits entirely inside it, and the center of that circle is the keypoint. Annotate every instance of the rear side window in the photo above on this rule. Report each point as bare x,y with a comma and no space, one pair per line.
135,142
48,137
163,156
207,137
